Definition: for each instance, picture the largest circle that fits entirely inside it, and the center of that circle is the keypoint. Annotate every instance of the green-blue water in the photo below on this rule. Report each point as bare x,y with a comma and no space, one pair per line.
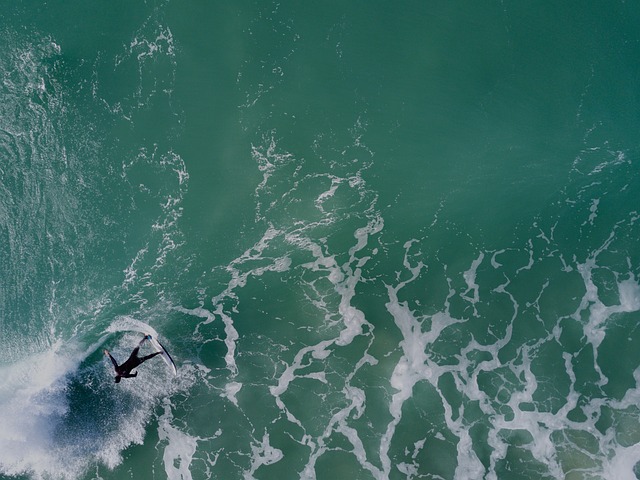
382,240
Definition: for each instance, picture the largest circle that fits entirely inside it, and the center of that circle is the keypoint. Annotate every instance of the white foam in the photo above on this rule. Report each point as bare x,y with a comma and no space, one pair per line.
613,460
262,453
594,211
180,447
200,312
629,293
468,464
338,423
320,376
33,402
357,398
239,278
129,324
344,280
530,263
494,262
231,389
130,273
620,158
599,313
288,375
324,196
470,280
414,364
230,339
621,466
268,160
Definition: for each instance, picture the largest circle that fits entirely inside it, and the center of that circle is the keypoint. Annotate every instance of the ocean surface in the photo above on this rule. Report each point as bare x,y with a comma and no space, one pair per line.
381,240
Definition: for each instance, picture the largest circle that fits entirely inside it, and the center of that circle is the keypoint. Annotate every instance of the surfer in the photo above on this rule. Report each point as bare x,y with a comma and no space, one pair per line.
132,362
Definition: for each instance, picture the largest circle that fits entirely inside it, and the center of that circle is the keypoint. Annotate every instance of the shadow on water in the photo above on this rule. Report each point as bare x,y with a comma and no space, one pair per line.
95,412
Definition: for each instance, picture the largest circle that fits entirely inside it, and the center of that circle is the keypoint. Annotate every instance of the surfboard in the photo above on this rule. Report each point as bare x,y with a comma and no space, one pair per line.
157,346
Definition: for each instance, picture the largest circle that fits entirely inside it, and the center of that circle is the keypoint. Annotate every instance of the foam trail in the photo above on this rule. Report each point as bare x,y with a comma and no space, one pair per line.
470,279
414,365
344,280
180,448
620,465
595,328
338,423
130,324
262,454
239,280
229,340
231,391
318,351
353,318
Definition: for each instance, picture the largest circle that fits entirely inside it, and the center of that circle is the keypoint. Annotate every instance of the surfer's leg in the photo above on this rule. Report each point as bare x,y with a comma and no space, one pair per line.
113,360
144,359
134,355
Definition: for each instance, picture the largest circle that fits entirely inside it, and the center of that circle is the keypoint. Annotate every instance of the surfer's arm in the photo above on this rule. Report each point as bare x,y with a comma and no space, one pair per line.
113,360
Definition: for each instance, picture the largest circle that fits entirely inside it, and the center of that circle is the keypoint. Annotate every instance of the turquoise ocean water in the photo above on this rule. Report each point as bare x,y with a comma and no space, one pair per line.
382,240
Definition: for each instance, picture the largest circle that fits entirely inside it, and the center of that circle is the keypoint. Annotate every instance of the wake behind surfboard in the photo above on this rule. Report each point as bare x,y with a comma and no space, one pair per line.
158,347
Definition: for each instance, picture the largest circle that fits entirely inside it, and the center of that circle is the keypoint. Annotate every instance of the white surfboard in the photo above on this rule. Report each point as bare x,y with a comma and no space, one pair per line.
157,346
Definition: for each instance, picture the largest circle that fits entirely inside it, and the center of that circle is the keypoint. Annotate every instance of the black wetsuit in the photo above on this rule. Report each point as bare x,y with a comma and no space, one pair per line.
132,362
